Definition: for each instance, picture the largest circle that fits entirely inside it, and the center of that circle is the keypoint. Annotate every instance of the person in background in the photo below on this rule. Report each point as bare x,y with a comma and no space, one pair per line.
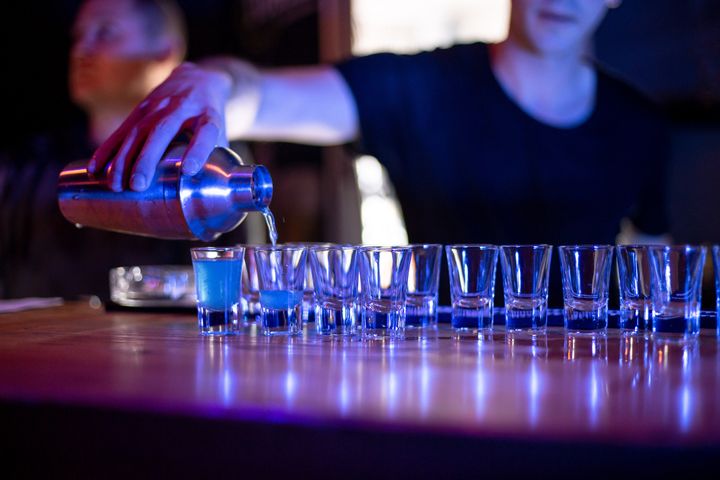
524,141
121,50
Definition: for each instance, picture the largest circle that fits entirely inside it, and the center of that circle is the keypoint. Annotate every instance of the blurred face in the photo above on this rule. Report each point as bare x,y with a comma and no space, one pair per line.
113,61
555,26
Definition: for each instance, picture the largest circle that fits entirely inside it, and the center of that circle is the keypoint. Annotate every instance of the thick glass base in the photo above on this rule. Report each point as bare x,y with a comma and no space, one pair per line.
472,319
534,319
218,322
421,311
287,321
586,321
382,324
338,320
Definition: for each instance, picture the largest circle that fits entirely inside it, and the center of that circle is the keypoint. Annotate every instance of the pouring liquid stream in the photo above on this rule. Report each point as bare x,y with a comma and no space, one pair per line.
270,221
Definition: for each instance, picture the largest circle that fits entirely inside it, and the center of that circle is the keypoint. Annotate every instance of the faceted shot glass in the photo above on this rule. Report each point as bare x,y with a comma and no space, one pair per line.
384,276
421,305
526,274
716,268
676,288
309,299
250,303
586,278
472,285
634,281
217,282
335,277
281,272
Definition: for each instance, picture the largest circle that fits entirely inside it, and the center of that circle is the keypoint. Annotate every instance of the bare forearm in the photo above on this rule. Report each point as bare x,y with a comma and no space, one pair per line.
305,105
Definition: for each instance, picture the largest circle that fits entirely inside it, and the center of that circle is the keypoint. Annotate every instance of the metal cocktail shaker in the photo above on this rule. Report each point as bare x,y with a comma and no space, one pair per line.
175,206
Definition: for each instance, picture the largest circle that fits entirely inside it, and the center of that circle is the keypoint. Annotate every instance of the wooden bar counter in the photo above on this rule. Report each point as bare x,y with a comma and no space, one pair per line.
86,392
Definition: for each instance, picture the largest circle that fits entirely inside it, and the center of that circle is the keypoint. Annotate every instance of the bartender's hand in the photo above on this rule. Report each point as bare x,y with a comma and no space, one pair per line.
191,100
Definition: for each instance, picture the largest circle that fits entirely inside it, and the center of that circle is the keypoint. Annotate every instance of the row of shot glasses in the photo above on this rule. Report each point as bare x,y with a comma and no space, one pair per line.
378,292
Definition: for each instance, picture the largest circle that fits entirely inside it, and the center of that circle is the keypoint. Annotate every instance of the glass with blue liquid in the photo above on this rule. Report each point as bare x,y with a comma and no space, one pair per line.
676,288
281,275
384,276
472,286
421,305
526,274
335,278
217,283
585,273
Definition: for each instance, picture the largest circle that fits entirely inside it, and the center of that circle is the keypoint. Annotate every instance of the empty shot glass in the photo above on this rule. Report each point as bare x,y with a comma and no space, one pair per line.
472,285
250,303
716,268
281,272
335,277
308,306
634,280
676,288
586,278
526,274
421,305
217,282
384,275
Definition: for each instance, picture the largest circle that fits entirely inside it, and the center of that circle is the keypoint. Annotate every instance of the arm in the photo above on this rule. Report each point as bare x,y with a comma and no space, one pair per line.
226,97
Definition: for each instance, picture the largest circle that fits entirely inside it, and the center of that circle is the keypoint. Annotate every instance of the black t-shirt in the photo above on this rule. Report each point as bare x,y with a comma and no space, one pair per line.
470,166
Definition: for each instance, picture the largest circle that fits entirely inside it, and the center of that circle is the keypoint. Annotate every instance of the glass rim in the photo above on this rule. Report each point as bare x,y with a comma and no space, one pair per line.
678,248
333,246
394,248
280,247
216,249
424,245
308,244
527,245
588,246
479,246
217,253
628,246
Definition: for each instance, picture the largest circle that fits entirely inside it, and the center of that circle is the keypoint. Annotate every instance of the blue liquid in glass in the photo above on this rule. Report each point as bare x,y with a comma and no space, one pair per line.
281,310
218,283
280,299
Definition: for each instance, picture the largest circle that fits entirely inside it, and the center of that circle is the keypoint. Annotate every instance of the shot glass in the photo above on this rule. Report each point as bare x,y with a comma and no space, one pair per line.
634,280
309,299
421,305
217,283
676,287
526,274
472,285
716,268
281,272
384,276
335,277
586,279
250,303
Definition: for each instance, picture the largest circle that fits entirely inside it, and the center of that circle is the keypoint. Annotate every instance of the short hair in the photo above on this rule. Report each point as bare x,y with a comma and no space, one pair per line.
163,17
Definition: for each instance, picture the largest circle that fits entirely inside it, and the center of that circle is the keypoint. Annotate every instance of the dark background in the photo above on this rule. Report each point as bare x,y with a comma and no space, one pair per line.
669,49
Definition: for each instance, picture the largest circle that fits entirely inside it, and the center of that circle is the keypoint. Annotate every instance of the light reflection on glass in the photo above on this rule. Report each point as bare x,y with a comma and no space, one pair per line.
534,389
290,386
479,390
344,396
686,408
593,394
583,346
424,387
